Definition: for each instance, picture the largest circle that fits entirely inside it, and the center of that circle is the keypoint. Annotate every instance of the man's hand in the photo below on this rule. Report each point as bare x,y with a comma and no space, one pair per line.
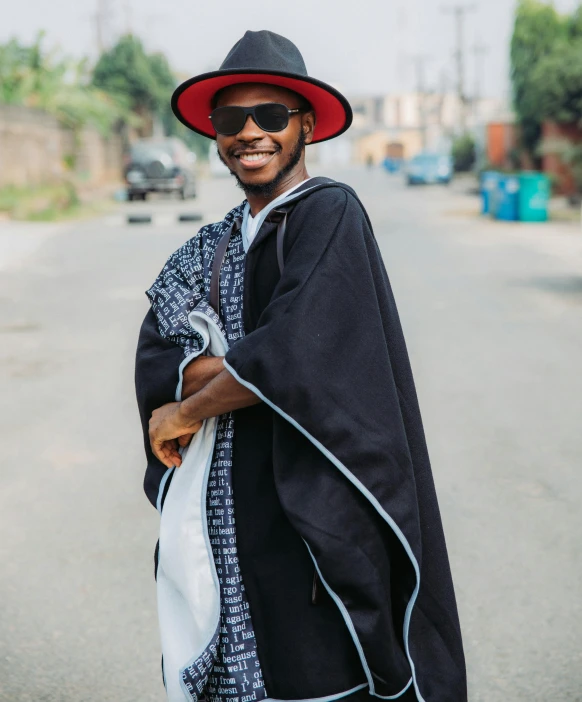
197,374
168,429
173,424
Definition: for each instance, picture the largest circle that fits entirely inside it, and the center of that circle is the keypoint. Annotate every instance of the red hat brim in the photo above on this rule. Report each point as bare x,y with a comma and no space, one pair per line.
192,100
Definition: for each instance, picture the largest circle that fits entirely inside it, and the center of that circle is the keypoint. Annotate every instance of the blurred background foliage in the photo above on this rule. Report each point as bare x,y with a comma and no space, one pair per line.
464,153
546,69
126,71
126,87
61,86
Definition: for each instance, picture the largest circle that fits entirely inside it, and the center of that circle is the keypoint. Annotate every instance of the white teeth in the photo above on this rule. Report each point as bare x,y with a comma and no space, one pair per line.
253,157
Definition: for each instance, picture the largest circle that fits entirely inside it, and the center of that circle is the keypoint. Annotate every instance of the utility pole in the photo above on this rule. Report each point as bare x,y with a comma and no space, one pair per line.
128,17
419,66
459,11
442,96
102,19
479,52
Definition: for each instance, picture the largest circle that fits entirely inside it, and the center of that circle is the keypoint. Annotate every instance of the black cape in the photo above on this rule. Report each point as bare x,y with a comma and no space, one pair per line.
350,469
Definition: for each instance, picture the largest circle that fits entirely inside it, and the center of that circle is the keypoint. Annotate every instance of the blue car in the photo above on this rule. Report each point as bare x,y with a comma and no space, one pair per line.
429,168
392,165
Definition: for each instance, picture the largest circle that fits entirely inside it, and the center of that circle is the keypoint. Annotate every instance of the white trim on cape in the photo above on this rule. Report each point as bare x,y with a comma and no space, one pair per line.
381,511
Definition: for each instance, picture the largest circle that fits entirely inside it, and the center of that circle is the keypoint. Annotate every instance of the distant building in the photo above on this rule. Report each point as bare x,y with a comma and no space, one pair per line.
408,123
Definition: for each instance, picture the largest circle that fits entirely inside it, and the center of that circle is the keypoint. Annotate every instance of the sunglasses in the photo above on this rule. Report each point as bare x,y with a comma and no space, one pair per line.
269,116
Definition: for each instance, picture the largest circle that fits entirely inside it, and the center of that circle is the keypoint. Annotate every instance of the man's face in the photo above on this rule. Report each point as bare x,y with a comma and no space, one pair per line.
277,150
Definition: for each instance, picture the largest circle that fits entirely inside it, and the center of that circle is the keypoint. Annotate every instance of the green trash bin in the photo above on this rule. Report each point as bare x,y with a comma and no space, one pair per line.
534,196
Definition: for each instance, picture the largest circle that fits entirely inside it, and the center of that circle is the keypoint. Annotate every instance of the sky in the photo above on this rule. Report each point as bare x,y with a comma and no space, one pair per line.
361,47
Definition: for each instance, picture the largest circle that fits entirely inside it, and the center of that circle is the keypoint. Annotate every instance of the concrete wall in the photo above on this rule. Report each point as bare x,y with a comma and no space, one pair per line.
34,149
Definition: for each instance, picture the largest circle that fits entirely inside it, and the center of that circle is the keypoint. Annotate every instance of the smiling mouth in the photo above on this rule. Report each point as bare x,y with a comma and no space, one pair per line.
256,159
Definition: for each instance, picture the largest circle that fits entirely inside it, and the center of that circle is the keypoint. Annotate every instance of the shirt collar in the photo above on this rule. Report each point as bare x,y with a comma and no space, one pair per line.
260,217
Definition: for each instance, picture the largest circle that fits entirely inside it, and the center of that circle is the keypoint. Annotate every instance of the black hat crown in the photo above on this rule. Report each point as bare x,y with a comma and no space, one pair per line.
265,51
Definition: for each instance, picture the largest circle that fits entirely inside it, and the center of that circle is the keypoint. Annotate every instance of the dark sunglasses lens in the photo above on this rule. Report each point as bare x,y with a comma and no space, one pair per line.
272,117
228,120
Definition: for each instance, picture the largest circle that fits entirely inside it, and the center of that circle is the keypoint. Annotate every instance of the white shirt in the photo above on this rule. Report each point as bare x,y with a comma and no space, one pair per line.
253,221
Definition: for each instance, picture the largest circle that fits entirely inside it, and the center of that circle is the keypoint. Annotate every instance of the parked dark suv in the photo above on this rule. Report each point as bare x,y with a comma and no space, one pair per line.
160,165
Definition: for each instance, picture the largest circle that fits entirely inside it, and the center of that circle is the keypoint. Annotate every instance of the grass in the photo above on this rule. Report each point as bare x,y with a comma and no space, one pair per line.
45,203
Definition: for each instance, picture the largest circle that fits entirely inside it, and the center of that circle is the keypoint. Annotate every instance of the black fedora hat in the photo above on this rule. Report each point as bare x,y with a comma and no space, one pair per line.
262,57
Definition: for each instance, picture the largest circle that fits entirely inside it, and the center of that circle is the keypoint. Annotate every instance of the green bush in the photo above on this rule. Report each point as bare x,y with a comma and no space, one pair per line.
463,153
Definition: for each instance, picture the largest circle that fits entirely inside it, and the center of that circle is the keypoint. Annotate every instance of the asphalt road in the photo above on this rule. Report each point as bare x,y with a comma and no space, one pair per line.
492,315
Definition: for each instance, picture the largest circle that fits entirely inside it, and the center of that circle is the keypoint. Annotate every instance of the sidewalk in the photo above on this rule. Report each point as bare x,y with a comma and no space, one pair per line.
561,236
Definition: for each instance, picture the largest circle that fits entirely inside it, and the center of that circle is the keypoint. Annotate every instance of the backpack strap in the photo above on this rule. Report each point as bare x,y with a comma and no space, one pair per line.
219,255
279,217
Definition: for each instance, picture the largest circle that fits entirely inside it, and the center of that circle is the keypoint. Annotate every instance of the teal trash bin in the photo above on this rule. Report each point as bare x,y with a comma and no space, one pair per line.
506,199
534,196
488,185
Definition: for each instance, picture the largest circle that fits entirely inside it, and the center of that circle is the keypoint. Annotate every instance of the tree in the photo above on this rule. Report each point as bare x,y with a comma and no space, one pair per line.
147,82
165,79
574,24
17,74
126,70
538,28
555,90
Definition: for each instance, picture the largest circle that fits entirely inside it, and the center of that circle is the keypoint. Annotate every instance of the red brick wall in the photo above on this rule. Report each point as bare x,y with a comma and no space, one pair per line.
501,140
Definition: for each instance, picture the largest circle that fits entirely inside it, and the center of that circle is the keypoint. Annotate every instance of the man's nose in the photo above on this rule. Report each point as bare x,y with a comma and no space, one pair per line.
250,130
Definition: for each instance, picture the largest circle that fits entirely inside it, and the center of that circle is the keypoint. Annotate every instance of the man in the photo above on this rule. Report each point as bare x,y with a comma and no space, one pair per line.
274,386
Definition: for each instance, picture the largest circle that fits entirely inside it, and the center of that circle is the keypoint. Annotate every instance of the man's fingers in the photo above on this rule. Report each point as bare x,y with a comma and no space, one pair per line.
172,452
167,453
162,423
185,439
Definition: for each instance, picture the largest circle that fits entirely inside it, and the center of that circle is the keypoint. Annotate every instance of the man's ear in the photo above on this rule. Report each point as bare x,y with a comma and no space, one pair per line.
308,126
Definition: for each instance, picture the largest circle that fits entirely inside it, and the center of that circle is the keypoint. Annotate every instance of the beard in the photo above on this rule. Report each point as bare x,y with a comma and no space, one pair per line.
267,190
